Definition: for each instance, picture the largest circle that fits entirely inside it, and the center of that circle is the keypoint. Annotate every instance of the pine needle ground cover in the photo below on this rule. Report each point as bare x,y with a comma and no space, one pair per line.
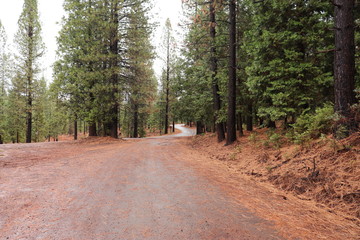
323,172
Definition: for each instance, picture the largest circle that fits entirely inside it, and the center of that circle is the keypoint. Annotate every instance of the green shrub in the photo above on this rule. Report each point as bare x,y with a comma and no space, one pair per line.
253,137
312,125
274,140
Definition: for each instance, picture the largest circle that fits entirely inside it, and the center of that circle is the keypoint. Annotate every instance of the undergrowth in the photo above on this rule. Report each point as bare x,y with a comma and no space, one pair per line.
311,125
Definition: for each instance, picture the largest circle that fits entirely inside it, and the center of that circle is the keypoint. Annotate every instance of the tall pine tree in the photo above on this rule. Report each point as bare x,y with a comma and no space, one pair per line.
30,49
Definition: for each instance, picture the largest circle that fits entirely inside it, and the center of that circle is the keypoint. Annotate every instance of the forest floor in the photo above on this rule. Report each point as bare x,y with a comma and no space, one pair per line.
156,188
322,174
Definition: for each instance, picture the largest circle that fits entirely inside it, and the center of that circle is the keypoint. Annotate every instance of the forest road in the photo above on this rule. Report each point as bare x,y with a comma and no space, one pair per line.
135,189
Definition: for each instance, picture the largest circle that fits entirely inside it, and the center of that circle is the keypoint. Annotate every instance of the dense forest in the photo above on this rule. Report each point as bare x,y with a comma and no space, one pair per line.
291,64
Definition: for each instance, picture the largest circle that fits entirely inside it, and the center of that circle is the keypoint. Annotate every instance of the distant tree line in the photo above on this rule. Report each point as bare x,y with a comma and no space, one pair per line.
103,78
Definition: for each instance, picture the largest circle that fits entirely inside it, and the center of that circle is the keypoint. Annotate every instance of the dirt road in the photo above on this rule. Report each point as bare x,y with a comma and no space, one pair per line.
107,189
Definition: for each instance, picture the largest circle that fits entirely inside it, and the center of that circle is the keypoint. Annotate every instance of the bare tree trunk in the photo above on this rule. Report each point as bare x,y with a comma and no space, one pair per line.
29,105
167,81
271,124
136,121
29,76
75,129
114,48
29,119
231,113
199,128
344,65
92,129
214,67
166,125
249,118
240,123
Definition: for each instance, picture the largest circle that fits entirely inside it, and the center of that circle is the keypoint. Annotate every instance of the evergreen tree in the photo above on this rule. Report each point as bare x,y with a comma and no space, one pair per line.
16,109
344,64
39,110
214,69
141,80
231,112
168,47
3,81
31,48
80,46
96,67
288,72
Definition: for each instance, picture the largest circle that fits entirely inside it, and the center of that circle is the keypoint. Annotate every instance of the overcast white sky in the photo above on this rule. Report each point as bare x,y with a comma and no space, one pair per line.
51,12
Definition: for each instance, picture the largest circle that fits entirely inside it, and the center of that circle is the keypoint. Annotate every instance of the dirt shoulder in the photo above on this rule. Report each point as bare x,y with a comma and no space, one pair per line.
317,185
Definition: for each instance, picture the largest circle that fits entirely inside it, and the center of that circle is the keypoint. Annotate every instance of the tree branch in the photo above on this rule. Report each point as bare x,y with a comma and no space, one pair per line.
326,51
335,4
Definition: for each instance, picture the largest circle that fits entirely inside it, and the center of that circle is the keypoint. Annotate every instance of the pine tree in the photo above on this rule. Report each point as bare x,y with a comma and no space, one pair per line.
16,109
344,64
39,110
96,68
31,48
141,80
357,44
168,46
3,81
204,73
231,112
288,72
214,69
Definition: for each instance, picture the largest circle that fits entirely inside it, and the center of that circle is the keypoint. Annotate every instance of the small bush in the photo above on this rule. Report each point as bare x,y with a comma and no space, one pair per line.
274,140
253,137
312,125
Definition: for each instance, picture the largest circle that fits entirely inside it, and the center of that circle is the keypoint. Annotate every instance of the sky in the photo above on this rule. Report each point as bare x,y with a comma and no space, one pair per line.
51,13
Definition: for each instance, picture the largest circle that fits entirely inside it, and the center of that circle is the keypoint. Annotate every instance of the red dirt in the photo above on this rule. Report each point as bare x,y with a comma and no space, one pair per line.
331,191
158,188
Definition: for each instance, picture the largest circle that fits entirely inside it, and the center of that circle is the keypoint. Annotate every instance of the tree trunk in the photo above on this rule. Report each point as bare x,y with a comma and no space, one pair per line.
114,48
271,124
29,121
173,129
240,123
75,129
261,122
249,118
29,76
231,113
113,125
167,83
214,67
136,121
166,125
92,130
285,123
344,65
199,128
29,106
